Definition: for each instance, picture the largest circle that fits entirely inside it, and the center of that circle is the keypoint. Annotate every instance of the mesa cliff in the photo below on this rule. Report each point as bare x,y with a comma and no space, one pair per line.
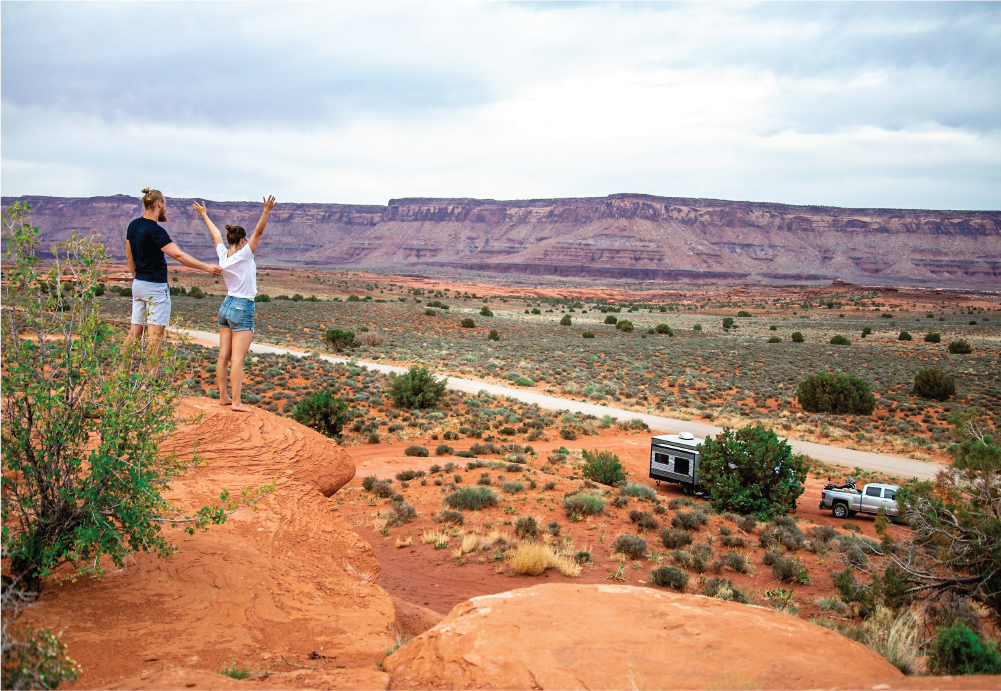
622,236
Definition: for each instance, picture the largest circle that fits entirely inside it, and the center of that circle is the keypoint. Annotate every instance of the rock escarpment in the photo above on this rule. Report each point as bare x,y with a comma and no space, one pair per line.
623,236
565,636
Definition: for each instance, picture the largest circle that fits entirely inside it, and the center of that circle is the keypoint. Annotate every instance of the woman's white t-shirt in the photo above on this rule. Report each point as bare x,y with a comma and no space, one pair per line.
239,271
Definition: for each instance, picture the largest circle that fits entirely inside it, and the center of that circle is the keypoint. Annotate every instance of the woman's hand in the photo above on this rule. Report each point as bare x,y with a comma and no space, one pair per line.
269,203
200,208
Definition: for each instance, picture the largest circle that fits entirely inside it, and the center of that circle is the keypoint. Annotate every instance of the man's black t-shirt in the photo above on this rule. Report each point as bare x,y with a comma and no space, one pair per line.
147,240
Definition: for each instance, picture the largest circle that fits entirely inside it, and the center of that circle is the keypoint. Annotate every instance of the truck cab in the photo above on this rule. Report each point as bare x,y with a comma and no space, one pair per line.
845,503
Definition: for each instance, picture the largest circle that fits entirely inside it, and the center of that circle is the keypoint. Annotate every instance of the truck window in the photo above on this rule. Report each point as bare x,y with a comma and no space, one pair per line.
681,466
873,491
889,493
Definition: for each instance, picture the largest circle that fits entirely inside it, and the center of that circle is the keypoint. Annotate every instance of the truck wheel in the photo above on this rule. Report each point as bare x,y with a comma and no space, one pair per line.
840,511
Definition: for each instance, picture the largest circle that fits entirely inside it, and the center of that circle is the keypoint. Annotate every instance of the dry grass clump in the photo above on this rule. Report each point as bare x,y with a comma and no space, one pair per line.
533,558
438,538
404,543
895,637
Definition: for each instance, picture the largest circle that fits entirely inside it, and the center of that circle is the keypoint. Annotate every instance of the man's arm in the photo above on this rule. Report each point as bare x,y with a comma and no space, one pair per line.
216,235
172,250
128,258
255,239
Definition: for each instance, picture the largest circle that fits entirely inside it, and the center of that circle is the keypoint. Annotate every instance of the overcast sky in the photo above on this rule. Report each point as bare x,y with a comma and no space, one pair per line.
847,104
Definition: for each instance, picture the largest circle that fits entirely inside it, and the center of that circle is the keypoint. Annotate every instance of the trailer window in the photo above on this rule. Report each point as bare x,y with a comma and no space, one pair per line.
681,466
873,491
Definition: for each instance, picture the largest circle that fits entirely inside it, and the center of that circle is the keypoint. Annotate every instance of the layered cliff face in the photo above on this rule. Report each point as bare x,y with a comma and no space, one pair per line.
621,236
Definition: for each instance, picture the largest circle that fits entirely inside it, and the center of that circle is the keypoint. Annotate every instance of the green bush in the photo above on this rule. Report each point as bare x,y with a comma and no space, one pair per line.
611,319
625,325
958,650
839,394
664,329
840,340
197,293
866,330
960,347
566,321
602,467
416,450
797,337
322,411
775,339
934,384
636,490
751,471
353,298
430,312
467,323
512,487
669,577
493,335
727,323
485,312
933,337
471,498
568,434
724,589
904,336
339,339
588,334
633,546
536,310
697,327
417,388
526,527
743,313
583,505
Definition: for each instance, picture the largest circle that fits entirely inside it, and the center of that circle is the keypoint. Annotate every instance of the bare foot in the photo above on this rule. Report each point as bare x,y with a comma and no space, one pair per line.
240,408
225,401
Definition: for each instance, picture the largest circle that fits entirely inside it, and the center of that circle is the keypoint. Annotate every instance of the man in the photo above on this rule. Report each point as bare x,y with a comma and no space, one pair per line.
146,244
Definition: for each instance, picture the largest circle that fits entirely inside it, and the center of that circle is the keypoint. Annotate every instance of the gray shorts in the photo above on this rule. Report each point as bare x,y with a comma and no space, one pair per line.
150,303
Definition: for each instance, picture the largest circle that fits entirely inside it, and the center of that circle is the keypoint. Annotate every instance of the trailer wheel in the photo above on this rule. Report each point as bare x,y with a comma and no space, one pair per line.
840,510
658,483
687,489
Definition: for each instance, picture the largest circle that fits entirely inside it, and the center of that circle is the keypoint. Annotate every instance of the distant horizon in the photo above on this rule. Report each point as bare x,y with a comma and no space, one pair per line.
6,197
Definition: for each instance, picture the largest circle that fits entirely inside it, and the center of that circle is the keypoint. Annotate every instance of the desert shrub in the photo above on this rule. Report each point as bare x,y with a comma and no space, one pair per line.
568,434
735,541
933,337
751,471
382,489
485,312
727,323
625,325
512,487
689,520
839,394
904,336
583,505
340,339
734,561
611,319
467,323
669,577
659,508
960,347
620,502
697,327
430,312
444,450
553,528
450,516
417,388
823,533
675,539
602,467
533,558
775,339
262,297
636,490
493,335
374,438
840,340
950,608
743,313
934,384
644,520
526,526
408,475
958,650
680,503
632,546
402,512
566,321
416,450
549,486
368,481
457,478
197,293
587,334
664,329
450,436
747,523
893,637
797,337
471,498
724,589
322,411
788,570
465,453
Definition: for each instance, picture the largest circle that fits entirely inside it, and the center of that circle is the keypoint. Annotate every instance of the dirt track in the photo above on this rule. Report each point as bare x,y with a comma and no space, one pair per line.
850,458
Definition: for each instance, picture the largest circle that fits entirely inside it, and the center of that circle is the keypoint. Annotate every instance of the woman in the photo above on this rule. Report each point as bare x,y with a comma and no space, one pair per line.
236,316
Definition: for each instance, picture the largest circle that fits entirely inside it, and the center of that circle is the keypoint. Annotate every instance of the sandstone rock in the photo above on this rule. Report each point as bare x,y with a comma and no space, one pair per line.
568,636
273,584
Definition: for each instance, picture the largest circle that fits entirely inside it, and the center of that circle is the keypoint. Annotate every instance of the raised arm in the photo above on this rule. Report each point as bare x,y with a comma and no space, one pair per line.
216,235
255,239
172,250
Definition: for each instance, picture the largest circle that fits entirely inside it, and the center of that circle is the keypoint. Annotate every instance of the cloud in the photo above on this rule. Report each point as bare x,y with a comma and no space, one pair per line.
857,105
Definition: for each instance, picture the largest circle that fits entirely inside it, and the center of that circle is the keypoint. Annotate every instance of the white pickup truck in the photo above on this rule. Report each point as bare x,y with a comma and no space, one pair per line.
844,503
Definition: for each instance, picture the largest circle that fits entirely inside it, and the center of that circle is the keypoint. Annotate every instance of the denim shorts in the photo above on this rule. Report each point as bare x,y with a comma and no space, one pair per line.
150,303
237,314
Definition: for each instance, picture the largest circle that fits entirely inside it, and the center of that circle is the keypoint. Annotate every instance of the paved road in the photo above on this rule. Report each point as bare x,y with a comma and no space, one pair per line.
851,458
